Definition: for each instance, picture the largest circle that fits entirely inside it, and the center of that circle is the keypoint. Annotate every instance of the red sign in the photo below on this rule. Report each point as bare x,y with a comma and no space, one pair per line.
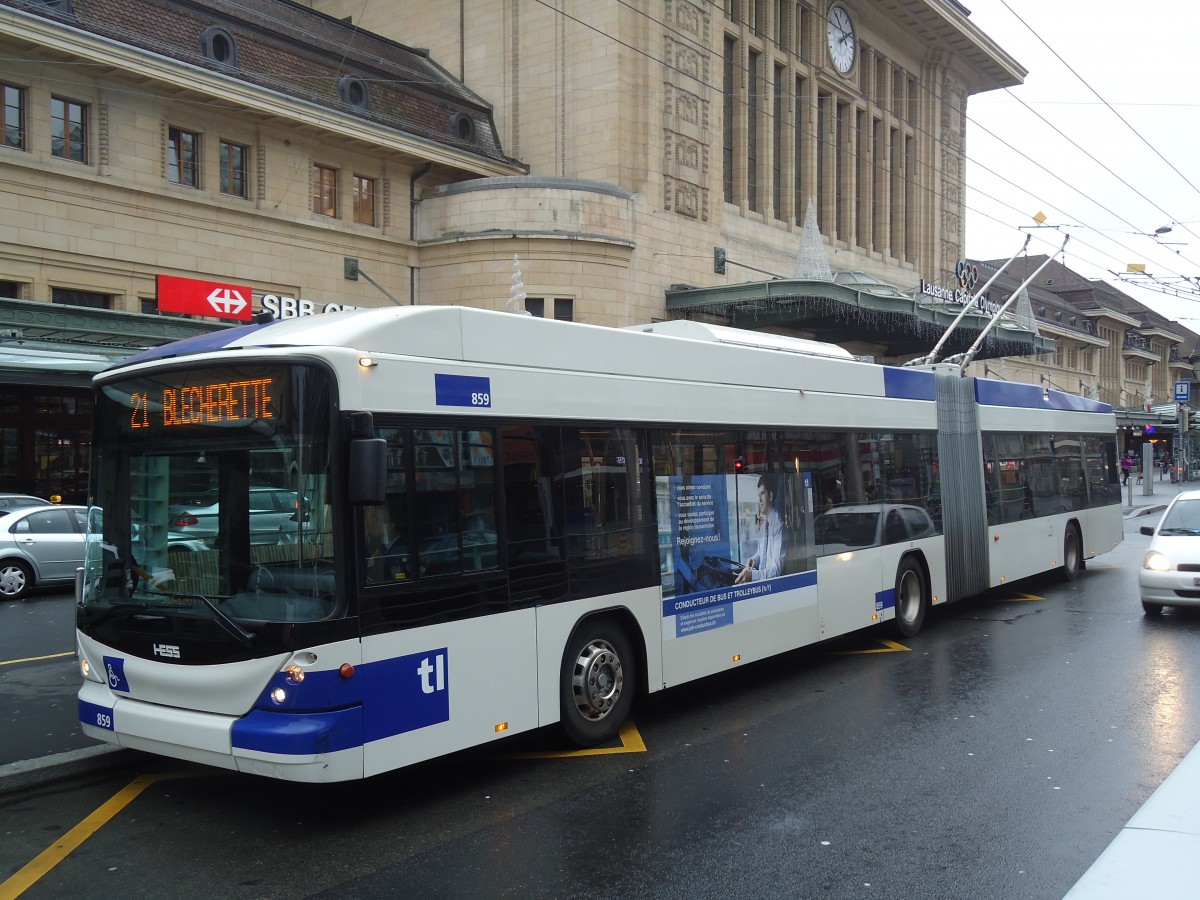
204,298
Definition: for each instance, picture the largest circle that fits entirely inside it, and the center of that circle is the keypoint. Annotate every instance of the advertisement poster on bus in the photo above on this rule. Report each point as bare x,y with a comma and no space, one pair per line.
740,548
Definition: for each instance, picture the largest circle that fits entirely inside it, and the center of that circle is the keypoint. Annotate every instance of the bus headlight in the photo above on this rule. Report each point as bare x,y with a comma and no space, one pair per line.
85,667
294,674
279,695
1156,562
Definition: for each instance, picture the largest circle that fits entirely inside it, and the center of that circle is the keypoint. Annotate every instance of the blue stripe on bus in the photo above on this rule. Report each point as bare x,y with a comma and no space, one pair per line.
909,384
95,714
1031,396
201,343
885,599
390,697
299,734
687,603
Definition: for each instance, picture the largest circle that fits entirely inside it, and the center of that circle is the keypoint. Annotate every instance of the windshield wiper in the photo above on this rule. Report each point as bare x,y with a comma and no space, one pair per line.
246,638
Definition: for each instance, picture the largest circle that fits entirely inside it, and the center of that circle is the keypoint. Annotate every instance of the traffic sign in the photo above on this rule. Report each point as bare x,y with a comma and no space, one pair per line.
1182,391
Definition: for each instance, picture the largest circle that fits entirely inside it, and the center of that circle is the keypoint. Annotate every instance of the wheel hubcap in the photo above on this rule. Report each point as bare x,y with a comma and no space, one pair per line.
597,681
12,581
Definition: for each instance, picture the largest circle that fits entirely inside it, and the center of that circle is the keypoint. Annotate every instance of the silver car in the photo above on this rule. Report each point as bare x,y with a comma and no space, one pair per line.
276,515
38,546
20,501
1170,572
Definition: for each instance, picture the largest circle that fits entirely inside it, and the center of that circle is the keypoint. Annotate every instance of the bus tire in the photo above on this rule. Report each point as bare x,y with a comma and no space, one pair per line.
1072,554
597,683
912,597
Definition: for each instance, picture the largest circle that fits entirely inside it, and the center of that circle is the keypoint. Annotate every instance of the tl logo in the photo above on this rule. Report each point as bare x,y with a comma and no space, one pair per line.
438,672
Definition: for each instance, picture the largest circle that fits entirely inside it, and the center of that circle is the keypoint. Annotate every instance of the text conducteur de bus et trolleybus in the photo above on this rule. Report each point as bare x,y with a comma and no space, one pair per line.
500,522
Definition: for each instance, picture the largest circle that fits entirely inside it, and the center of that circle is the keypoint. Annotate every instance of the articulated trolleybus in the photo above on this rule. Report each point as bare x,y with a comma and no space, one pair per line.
330,546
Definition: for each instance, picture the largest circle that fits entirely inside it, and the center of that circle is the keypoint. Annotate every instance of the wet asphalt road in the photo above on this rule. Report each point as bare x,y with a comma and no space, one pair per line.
995,758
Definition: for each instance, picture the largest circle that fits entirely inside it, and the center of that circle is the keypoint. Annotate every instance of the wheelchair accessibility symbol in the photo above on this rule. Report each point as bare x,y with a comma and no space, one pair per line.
114,667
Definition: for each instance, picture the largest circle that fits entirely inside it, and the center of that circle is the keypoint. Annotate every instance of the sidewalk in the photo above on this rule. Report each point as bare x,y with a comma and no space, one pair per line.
1144,505
1157,853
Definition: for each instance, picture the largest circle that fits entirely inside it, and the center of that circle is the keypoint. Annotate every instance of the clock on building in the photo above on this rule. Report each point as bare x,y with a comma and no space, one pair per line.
841,39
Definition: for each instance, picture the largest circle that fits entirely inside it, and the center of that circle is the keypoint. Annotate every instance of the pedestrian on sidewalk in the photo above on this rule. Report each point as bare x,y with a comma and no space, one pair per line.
1126,465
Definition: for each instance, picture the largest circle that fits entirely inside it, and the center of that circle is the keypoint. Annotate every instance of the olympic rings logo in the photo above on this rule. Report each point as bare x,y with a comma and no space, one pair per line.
967,275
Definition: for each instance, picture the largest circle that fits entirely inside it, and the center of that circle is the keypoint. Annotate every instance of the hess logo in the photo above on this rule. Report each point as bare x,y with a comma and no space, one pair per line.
170,651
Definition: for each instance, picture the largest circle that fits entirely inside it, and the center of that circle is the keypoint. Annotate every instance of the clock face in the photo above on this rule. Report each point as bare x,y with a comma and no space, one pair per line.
842,44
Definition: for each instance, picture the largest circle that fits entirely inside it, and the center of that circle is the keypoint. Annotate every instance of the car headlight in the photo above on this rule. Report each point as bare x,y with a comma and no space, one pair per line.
1156,561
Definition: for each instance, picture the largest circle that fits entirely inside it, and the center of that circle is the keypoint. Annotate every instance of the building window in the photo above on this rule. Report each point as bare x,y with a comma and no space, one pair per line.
68,129
563,308
183,157
89,299
777,145
324,191
234,159
462,126
353,91
752,130
802,191
727,156
217,44
14,116
364,200
10,289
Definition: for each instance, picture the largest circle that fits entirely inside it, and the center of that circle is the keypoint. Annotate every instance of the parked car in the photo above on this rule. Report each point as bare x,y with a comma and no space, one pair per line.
40,545
20,501
275,516
859,525
1170,572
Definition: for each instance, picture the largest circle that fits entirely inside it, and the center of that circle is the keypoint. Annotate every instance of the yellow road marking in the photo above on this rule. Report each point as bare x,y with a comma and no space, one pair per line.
30,874
13,662
631,742
1021,598
888,647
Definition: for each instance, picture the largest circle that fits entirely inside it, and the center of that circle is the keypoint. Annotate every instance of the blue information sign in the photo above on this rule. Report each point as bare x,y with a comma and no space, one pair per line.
1182,391
462,390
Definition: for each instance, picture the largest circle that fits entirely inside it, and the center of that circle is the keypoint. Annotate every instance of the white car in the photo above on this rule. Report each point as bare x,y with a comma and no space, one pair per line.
859,525
1170,572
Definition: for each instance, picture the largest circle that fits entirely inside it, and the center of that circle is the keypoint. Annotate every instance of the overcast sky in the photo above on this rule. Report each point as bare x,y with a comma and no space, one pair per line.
1103,138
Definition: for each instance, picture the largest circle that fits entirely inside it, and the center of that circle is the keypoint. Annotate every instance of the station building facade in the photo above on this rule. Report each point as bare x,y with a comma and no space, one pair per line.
791,166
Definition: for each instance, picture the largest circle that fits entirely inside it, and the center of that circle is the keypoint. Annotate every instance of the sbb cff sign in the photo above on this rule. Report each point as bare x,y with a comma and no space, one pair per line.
204,298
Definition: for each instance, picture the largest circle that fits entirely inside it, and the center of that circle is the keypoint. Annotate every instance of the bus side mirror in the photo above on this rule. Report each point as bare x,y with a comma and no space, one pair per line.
368,471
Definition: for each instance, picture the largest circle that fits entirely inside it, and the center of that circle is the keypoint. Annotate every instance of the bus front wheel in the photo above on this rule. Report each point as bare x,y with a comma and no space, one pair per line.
912,598
597,683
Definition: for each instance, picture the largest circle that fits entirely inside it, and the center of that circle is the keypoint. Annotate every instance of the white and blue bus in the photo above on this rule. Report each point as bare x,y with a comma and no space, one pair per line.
427,528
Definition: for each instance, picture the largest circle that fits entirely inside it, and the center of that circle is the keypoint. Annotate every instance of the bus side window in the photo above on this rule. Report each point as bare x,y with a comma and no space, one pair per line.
608,526
387,538
455,501
537,567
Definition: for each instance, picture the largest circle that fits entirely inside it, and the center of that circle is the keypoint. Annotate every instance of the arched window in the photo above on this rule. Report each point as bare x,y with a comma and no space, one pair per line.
462,126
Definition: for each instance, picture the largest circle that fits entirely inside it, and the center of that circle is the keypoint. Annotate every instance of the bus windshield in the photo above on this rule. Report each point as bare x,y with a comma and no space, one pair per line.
209,498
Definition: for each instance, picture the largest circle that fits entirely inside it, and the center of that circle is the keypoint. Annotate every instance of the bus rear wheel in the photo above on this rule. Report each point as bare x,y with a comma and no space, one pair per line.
912,598
1072,554
597,683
